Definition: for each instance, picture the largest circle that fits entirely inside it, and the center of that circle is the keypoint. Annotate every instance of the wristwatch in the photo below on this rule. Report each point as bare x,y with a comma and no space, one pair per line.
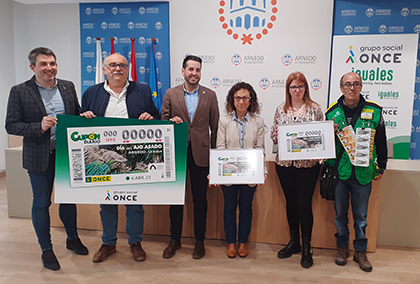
381,171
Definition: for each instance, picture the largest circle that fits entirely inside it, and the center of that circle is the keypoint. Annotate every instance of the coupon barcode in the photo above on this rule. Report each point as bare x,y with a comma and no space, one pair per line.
167,158
77,164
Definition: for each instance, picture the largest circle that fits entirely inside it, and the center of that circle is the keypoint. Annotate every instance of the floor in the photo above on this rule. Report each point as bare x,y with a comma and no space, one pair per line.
20,261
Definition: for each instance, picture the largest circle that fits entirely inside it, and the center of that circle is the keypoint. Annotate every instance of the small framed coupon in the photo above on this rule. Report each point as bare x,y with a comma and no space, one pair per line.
305,141
236,166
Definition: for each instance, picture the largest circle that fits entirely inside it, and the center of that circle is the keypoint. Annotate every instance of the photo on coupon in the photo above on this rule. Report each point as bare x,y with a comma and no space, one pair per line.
121,159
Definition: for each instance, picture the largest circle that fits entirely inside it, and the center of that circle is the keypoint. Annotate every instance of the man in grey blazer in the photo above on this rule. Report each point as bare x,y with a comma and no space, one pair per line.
198,106
31,112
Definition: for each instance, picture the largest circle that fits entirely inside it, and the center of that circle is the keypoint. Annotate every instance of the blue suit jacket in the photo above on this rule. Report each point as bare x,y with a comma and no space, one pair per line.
138,100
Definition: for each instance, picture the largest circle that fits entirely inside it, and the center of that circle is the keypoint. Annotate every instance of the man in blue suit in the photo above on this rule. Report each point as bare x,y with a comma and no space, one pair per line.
117,97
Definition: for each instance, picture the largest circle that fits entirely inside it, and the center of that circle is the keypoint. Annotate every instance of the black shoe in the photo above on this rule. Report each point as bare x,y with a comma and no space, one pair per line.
306,260
76,246
292,247
49,260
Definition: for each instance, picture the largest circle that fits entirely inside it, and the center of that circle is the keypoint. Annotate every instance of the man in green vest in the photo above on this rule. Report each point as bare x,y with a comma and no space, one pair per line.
362,156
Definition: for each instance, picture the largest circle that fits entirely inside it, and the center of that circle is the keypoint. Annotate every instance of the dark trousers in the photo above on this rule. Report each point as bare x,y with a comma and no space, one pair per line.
42,186
240,195
199,184
298,186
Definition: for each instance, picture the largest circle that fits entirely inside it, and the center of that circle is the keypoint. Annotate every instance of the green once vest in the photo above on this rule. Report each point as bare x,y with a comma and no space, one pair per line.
363,174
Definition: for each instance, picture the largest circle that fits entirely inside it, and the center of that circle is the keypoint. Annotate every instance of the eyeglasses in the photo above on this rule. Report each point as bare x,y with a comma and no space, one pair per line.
355,85
113,66
294,88
238,99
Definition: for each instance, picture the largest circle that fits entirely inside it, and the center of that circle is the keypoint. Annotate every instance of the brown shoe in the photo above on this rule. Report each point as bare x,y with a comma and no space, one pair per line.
199,250
138,252
172,247
243,250
103,253
231,250
341,256
361,258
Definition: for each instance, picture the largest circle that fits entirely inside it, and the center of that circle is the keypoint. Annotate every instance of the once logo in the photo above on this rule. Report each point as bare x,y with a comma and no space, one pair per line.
130,25
352,57
382,29
158,55
88,40
142,10
88,11
316,84
215,82
114,10
348,29
417,29
264,83
247,20
236,59
89,69
104,25
287,59
142,70
370,12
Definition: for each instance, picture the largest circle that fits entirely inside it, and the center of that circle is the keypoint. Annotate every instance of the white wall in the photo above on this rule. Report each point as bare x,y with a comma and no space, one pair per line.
302,28
7,70
55,26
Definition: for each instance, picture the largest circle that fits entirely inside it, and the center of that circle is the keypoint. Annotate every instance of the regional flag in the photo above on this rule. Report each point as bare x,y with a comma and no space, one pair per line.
153,78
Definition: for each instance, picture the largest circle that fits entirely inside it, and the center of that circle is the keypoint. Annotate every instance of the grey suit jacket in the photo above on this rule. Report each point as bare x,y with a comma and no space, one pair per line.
25,110
206,117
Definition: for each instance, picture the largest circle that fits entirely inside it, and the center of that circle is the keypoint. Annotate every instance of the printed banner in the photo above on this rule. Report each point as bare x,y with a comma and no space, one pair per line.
120,161
303,141
375,20
387,65
236,166
122,21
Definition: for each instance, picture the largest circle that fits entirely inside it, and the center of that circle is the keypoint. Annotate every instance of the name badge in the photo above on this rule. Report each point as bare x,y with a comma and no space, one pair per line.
367,114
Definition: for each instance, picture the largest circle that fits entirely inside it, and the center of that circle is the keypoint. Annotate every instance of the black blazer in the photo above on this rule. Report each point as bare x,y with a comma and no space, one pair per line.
25,110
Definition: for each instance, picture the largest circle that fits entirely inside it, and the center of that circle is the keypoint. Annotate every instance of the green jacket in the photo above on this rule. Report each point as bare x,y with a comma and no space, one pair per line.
363,175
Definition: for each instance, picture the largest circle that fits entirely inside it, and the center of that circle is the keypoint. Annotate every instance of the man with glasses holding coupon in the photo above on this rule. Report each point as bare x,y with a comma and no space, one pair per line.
361,149
120,98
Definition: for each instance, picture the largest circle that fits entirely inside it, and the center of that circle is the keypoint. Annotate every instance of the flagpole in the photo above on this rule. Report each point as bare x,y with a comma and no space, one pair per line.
133,69
112,45
99,76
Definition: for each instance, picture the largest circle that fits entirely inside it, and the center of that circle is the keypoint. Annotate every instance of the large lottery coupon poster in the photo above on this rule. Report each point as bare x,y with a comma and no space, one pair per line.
120,161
